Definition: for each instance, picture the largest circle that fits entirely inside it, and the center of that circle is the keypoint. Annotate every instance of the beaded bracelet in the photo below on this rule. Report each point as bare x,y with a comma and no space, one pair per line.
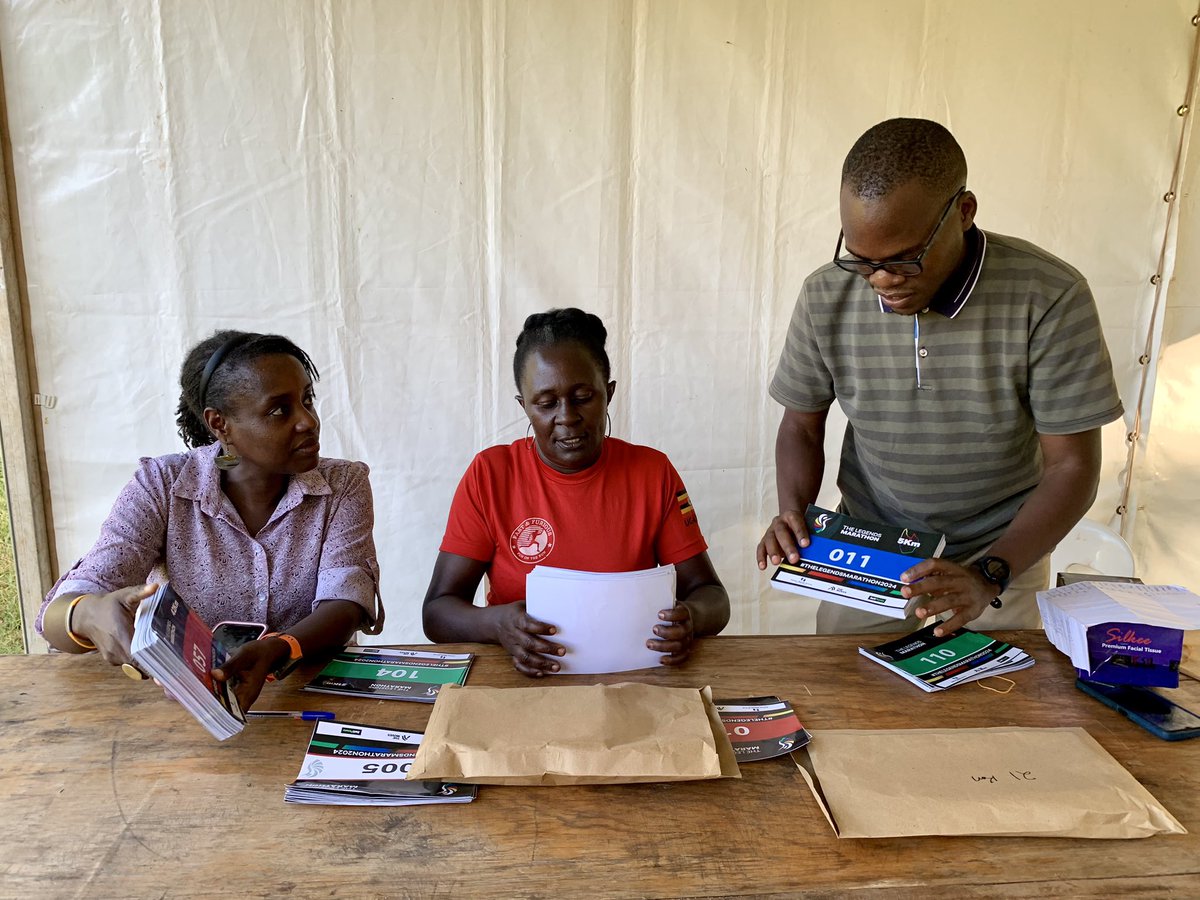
86,645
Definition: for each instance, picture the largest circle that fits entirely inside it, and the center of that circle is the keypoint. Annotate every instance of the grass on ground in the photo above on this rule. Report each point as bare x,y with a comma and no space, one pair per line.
10,600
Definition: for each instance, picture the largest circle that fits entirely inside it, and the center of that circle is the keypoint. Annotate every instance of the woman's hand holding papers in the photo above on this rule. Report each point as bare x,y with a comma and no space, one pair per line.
702,608
327,629
676,634
106,620
450,616
247,669
520,634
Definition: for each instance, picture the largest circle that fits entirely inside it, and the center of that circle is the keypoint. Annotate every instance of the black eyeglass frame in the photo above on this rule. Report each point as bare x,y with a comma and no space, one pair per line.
906,267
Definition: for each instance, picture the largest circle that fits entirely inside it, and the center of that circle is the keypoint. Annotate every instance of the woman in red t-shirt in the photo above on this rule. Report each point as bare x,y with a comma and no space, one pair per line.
570,497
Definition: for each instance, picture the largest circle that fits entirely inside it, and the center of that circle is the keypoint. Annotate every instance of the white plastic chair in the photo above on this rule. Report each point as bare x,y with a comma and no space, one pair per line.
1092,548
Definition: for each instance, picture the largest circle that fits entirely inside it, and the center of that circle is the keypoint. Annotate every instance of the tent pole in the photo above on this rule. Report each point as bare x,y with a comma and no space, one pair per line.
20,420
1148,360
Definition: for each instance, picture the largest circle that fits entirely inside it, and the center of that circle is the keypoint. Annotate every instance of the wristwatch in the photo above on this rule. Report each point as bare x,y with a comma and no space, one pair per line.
995,571
295,654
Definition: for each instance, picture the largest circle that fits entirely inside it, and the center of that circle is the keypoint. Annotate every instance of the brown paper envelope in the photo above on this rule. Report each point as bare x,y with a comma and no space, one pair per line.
1040,782
592,734
728,758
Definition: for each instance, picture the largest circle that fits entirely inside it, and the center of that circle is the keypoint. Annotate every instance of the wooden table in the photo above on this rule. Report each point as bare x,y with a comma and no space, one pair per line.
110,790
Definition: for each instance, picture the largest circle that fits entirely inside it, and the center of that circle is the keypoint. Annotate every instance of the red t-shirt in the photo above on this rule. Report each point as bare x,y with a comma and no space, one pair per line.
629,511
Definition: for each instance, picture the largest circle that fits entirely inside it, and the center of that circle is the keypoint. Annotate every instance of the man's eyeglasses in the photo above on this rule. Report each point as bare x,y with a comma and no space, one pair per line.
907,267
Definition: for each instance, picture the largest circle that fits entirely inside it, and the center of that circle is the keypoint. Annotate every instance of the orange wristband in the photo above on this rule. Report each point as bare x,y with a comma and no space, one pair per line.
296,653
293,644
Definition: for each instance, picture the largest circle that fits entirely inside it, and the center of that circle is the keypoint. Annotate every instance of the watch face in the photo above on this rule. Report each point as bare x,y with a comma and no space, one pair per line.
994,569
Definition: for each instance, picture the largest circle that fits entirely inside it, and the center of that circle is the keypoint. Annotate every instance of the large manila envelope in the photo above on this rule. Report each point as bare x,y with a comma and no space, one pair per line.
1038,782
590,734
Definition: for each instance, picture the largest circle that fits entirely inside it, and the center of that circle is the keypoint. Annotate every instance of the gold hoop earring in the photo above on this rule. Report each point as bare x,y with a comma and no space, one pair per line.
227,459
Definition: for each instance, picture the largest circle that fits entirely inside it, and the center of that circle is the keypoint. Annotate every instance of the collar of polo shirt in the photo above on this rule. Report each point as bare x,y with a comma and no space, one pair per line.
954,294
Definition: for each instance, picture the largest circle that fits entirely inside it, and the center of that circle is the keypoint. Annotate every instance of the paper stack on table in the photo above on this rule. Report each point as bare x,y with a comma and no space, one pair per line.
348,764
603,618
174,645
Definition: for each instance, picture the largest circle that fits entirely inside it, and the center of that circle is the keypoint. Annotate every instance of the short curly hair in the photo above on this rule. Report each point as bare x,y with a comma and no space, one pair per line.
895,152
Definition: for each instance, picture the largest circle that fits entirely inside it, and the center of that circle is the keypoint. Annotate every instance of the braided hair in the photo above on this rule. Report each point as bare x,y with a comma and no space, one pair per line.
228,379
895,152
560,326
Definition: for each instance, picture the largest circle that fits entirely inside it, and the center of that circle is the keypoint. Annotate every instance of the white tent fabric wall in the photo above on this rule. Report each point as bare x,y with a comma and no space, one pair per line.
396,185
1168,492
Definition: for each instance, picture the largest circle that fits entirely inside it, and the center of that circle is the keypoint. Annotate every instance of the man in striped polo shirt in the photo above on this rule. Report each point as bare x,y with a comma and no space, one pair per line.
974,376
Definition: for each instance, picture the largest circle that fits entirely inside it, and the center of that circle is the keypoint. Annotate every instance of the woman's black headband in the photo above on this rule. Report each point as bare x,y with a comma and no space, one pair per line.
215,360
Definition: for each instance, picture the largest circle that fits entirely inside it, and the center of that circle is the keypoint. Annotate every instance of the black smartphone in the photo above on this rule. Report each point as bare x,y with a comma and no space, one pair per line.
1147,708
231,635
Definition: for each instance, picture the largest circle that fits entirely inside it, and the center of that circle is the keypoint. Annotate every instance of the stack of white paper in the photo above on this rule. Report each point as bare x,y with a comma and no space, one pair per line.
1068,612
603,618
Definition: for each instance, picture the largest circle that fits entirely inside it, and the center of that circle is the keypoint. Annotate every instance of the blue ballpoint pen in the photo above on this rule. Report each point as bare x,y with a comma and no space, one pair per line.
308,715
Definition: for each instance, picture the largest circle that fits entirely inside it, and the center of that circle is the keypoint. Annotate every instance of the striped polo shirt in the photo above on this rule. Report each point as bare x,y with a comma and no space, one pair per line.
945,407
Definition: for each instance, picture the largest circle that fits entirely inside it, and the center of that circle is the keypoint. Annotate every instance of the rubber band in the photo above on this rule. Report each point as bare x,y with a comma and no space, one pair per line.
1011,684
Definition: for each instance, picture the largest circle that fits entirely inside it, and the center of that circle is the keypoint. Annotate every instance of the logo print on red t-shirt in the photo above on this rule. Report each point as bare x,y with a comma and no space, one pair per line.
532,540
685,508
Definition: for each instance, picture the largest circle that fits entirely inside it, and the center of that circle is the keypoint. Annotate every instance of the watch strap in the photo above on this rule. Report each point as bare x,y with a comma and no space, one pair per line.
1001,582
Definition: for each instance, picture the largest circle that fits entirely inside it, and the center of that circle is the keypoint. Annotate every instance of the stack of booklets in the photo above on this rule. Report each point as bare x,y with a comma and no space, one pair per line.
856,563
360,765
937,663
391,674
174,645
